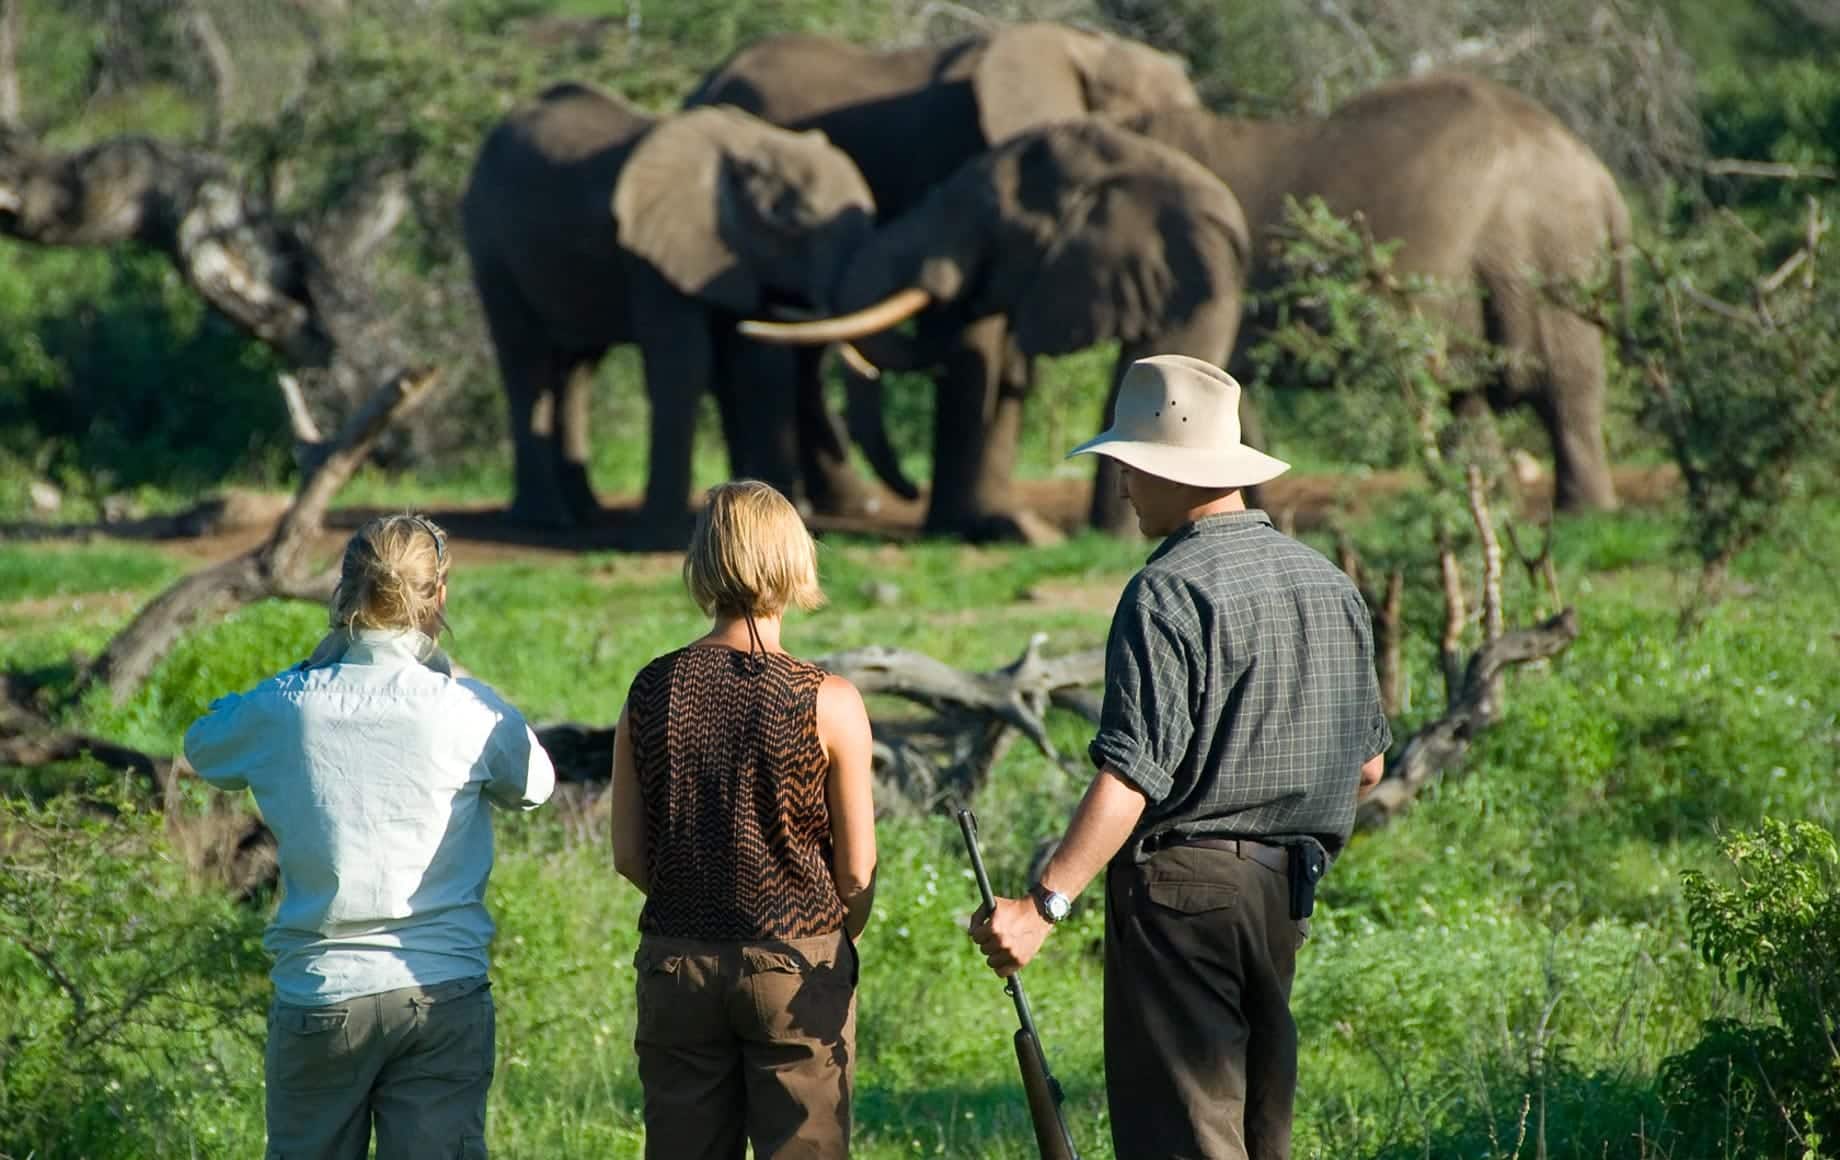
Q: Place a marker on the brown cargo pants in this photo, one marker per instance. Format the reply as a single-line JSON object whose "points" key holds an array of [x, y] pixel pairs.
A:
{"points": [[742, 1042], [1200, 1047], [417, 1062]]}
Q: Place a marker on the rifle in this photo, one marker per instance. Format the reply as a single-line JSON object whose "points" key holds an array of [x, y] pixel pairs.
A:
{"points": [[1038, 1083]]}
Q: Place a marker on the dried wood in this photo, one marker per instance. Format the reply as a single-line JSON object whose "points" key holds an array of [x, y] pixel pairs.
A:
{"points": [[1491, 552], [1442, 745], [1778, 170], [276, 567]]}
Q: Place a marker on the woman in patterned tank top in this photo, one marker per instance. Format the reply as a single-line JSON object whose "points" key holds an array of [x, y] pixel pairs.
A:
{"points": [[742, 811]]}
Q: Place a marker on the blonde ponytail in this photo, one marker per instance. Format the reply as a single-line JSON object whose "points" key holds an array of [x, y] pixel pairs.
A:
{"points": [[391, 575]]}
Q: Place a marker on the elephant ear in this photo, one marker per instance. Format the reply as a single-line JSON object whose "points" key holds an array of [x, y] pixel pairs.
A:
{"points": [[1032, 75], [675, 202], [1136, 256]]}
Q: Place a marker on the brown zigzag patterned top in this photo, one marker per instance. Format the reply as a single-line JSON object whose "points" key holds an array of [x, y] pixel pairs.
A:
{"points": [[732, 774]]}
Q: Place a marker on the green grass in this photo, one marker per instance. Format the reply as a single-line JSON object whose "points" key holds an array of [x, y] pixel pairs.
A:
{"points": [[1545, 877]]}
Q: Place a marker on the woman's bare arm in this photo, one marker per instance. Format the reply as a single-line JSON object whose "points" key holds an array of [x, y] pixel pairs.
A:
{"points": [[843, 727]]}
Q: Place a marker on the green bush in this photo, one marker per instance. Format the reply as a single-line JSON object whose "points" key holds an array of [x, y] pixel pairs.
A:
{"points": [[1770, 1086], [114, 375], [134, 1002]]}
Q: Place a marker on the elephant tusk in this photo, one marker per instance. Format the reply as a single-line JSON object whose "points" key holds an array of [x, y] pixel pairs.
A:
{"points": [[857, 362], [891, 311]]}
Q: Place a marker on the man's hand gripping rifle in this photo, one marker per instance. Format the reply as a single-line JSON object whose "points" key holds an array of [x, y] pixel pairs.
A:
{"points": [[1038, 1083]]}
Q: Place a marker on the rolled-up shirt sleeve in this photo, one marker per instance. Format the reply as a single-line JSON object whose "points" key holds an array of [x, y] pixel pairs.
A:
{"points": [[220, 746], [1146, 721], [1379, 729], [521, 775]]}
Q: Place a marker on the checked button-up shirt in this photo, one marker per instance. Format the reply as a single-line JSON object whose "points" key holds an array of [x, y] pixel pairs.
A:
{"points": [[1240, 694]]}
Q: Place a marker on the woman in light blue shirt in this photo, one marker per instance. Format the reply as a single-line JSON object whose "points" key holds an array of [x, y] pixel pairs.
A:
{"points": [[372, 764]]}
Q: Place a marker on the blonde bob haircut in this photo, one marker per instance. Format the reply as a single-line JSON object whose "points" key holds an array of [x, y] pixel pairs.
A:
{"points": [[750, 554]]}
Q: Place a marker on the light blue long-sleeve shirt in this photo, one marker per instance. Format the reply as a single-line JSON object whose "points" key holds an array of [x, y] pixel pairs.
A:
{"points": [[372, 771]]}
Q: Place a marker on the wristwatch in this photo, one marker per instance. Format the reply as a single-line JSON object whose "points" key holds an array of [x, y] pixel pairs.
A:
{"points": [[1052, 904]]}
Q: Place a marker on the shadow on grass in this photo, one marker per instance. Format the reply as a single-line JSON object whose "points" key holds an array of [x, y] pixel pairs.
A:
{"points": [[1566, 1113], [990, 1120]]}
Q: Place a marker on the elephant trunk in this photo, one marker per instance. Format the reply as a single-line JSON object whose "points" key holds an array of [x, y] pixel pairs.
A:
{"points": [[891, 311], [866, 420]]}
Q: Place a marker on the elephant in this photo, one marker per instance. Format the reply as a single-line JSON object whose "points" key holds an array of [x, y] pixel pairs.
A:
{"points": [[912, 117], [1062, 237], [1487, 192], [590, 224]]}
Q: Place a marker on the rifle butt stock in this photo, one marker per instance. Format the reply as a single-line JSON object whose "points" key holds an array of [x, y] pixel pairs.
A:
{"points": [[1043, 1091]]}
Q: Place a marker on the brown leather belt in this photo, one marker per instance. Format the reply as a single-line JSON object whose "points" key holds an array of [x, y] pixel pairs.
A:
{"points": [[1273, 857]]}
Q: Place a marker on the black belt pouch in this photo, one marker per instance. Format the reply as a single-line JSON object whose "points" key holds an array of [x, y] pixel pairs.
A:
{"points": [[1305, 868]]}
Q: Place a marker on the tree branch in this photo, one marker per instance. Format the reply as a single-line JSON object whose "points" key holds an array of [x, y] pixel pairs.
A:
{"points": [[1739, 167], [12, 18], [1491, 553], [182, 203], [1445, 742], [274, 568]]}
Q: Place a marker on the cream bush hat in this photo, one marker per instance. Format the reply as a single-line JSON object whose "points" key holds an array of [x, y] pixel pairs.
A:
{"points": [[1178, 418]]}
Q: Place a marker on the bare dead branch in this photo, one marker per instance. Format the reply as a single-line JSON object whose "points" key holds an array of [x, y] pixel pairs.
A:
{"points": [[201, 30], [1456, 614], [276, 567], [1442, 745], [79, 1006], [182, 203], [1491, 553], [32, 749], [1539, 566], [1776, 170], [1774, 281], [12, 20], [1389, 644], [1719, 306], [306, 431], [1016, 694]]}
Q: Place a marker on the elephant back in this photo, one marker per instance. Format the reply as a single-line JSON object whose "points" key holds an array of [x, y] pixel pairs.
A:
{"points": [[545, 161]]}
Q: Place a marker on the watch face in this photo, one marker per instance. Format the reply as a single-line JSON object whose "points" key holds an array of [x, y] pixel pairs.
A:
{"points": [[1054, 904]]}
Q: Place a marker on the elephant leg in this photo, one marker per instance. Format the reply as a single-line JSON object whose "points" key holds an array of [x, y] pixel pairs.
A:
{"points": [[757, 395], [532, 371], [1565, 381], [1111, 511], [727, 382], [572, 423], [977, 424], [1576, 388], [1208, 335], [831, 481], [679, 363]]}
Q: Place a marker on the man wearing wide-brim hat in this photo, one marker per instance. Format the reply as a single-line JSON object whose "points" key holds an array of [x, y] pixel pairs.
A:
{"points": [[1241, 721]]}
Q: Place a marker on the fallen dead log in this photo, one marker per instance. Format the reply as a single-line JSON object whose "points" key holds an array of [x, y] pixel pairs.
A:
{"points": [[1444, 743], [278, 567], [920, 762], [235, 510]]}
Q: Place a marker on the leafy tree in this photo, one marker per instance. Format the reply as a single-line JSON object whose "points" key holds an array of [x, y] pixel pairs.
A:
{"points": [[1771, 1087]]}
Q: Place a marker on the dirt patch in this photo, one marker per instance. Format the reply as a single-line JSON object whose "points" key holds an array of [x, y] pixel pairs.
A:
{"points": [[41, 608], [481, 532]]}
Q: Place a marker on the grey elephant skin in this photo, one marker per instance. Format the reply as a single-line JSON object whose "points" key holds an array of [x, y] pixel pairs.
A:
{"points": [[590, 224], [1488, 192], [1064, 237], [911, 118]]}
